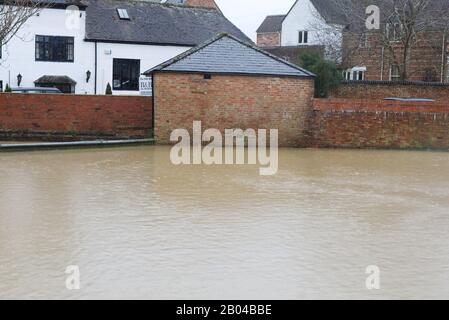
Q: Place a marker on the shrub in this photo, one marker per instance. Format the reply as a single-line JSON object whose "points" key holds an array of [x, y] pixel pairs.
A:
{"points": [[328, 75], [8, 88], [108, 89]]}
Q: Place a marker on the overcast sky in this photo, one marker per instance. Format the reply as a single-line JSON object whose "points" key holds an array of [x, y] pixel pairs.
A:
{"points": [[249, 14]]}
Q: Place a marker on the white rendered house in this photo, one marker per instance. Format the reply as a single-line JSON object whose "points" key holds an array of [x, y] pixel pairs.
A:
{"points": [[81, 46], [308, 23]]}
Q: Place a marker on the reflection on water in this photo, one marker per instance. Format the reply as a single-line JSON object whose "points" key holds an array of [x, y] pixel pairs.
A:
{"points": [[139, 227]]}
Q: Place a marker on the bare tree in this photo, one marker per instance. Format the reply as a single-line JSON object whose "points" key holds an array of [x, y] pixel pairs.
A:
{"points": [[14, 14], [328, 34], [404, 26]]}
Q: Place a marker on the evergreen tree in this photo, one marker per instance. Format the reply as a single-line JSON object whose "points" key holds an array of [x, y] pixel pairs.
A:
{"points": [[108, 89], [328, 75]]}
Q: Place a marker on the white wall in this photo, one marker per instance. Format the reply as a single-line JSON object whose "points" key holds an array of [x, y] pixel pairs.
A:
{"points": [[304, 17], [149, 56], [298, 19], [18, 55]]}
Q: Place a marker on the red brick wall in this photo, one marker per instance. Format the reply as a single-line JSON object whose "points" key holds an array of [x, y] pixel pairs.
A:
{"points": [[76, 114], [202, 3], [363, 90], [346, 123], [272, 39], [229, 102]]}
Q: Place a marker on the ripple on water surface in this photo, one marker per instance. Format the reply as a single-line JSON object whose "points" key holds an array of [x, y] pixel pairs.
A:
{"points": [[139, 227]]}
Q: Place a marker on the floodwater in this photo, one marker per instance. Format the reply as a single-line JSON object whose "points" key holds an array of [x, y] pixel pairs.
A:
{"points": [[139, 227]]}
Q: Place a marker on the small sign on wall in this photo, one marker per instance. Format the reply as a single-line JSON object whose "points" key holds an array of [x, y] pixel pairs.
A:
{"points": [[145, 86]]}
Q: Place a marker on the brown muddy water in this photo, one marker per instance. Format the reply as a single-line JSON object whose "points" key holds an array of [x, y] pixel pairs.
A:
{"points": [[139, 227]]}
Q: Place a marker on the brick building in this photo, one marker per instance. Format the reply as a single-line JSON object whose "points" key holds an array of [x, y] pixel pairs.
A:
{"points": [[372, 61], [228, 84], [379, 54]]}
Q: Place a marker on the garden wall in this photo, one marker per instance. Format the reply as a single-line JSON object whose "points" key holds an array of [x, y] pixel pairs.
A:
{"points": [[57, 116], [384, 89], [352, 123]]}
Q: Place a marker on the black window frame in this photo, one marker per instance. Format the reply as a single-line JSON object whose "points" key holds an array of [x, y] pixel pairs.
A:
{"points": [[54, 48], [303, 37], [123, 69]]}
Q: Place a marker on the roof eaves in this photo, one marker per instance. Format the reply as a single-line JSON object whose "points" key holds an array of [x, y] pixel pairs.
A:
{"points": [[148, 43], [259, 74]]}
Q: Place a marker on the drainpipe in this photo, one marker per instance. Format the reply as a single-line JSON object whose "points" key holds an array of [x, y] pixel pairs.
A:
{"points": [[382, 64], [443, 50], [154, 103], [96, 69]]}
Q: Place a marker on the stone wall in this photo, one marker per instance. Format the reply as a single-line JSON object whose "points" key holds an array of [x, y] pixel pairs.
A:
{"points": [[229, 102], [351, 123], [57, 115]]}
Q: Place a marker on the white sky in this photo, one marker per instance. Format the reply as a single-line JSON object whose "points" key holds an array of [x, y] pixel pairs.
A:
{"points": [[249, 14]]}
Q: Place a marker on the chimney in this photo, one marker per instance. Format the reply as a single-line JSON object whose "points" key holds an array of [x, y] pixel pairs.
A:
{"points": [[202, 3]]}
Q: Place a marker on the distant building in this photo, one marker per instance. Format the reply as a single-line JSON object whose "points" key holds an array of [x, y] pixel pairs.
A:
{"points": [[368, 56], [300, 29]]}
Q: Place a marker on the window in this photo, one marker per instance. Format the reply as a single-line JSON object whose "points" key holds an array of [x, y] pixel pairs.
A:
{"points": [[126, 74], [123, 14], [355, 74], [394, 31], [395, 74], [303, 37], [358, 75], [57, 49]]}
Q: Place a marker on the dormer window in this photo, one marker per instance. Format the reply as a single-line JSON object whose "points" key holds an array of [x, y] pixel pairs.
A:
{"points": [[123, 14]]}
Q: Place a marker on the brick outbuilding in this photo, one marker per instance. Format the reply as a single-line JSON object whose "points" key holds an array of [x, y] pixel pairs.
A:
{"points": [[228, 84]]}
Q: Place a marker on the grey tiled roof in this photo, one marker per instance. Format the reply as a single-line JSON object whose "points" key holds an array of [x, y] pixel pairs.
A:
{"points": [[155, 23], [271, 24], [331, 10], [226, 54]]}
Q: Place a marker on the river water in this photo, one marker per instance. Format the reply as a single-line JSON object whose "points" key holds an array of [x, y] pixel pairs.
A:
{"points": [[139, 227]]}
